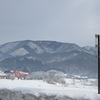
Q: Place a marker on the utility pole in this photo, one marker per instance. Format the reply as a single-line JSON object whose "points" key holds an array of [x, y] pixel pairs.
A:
{"points": [[97, 46]]}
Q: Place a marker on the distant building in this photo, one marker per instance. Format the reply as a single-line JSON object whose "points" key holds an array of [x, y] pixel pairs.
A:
{"points": [[2, 75], [70, 76], [19, 74]]}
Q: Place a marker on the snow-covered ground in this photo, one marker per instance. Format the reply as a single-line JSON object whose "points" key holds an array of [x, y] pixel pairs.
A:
{"points": [[38, 86]]}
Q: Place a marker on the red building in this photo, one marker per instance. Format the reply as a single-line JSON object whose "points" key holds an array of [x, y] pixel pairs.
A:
{"points": [[20, 74]]}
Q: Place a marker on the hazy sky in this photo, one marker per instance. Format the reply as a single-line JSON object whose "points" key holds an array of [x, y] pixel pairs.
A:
{"points": [[74, 21]]}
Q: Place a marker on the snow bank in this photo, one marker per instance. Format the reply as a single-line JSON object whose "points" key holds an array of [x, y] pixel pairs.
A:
{"points": [[35, 89], [6, 94]]}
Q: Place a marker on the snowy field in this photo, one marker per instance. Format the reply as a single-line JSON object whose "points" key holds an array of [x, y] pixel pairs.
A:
{"points": [[37, 87]]}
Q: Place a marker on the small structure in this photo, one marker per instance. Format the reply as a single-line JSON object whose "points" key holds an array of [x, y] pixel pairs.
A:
{"points": [[70, 76], [2, 75], [81, 77], [20, 74]]}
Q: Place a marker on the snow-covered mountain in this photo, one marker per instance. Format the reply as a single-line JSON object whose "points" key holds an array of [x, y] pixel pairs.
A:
{"points": [[89, 49], [46, 55], [40, 47]]}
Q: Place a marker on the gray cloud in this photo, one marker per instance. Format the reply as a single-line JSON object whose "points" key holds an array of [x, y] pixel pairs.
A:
{"points": [[74, 21]]}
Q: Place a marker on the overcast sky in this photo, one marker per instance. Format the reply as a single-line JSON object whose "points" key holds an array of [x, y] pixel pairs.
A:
{"points": [[73, 21]]}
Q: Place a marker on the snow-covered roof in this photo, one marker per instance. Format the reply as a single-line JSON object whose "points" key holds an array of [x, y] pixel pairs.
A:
{"points": [[2, 74], [23, 72], [20, 72]]}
